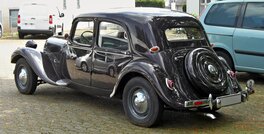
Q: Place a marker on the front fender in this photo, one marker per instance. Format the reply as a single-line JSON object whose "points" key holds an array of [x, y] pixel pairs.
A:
{"points": [[35, 61], [154, 74]]}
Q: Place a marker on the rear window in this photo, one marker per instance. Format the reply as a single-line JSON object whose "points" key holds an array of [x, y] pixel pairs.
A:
{"points": [[223, 14], [183, 33], [185, 37], [34, 10]]}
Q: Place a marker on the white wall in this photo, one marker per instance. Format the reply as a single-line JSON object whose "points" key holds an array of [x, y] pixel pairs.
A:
{"points": [[193, 6], [91, 6]]}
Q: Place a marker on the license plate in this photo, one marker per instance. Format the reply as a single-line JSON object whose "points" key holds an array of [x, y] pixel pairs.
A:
{"points": [[230, 99]]}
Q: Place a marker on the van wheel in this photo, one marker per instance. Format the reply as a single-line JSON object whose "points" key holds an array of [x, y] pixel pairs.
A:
{"points": [[227, 59], [141, 103], [20, 35], [25, 77], [1, 32]]}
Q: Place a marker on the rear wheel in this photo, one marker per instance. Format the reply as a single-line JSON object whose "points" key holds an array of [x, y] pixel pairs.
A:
{"points": [[20, 35], [25, 77], [1, 32], [141, 103], [226, 58], [84, 67]]}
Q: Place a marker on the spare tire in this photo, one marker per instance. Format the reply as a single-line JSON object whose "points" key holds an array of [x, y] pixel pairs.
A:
{"points": [[206, 72]]}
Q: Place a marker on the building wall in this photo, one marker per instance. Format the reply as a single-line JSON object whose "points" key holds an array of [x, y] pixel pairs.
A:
{"points": [[196, 7], [72, 9]]}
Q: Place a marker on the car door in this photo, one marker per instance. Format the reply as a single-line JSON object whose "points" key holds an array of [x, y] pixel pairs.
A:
{"points": [[111, 53], [248, 39], [80, 51]]}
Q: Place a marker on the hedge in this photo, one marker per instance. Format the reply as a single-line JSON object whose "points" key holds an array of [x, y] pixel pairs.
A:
{"points": [[150, 3]]}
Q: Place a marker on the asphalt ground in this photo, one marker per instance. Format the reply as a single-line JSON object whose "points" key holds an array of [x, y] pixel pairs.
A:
{"points": [[62, 110]]}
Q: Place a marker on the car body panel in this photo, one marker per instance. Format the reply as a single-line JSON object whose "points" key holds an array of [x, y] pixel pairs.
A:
{"points": [[244, 45], [35, 60]]}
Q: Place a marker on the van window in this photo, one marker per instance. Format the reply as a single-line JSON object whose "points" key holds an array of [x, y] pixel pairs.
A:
{"points": [[223, 14], [254, 17], [34, 10]]}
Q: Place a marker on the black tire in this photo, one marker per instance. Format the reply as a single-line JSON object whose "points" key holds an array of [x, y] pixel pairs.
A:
{"points": [[139, 89], [227, 59], [1, 32], [30, 77], [20, 35], [84, 67], [206, 72]]}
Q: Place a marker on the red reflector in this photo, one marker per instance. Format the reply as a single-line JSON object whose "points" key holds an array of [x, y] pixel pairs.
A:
{"points": [[154, 49], [169, 84], [18, 19], [50, 19], [197, 103]]}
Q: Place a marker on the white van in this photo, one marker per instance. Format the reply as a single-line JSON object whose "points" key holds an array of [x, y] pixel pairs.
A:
{"points": [[35, 18]]}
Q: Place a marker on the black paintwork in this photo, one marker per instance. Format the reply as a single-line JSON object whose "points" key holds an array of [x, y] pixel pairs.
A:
{"points": [[145, 29]]}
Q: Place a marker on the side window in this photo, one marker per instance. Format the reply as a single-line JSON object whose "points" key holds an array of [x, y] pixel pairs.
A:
{"points": [[112, 36], [254, 17], [223, 14], [84, 33]]}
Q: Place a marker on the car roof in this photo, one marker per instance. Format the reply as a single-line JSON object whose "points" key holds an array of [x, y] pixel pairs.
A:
{"points": [[230, 1], [135, 13]]}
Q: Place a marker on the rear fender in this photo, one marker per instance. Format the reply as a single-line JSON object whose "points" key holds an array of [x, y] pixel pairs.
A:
{"points": [[35, 60], [154, 74]]}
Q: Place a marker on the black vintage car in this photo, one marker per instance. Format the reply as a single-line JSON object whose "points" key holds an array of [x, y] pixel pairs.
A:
{"points": [[150, 58]]}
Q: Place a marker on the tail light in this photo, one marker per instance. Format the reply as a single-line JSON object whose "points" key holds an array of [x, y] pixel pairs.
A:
{"points": [[154, 49], [50, 19], [18, 19], [169, 84]]}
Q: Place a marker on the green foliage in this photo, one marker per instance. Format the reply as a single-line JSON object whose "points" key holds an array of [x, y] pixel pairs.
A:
{"points": [[150, 3], [184, 8]]}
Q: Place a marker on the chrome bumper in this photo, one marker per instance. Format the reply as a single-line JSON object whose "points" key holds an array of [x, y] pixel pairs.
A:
{"points": [[221, 101]]}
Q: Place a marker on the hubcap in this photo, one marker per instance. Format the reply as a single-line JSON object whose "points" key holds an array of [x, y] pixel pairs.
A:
{"points": [[140, 101], [111, 72], [212, 69], [84, 67], [22, 76]]}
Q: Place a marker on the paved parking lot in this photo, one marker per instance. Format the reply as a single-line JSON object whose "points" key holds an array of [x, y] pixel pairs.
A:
{"points": [[62, 110]]}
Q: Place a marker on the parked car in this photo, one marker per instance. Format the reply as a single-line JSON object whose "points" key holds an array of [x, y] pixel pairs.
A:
{"points": [[236, 29], [164, 61], [36, 18], [1, 30]]}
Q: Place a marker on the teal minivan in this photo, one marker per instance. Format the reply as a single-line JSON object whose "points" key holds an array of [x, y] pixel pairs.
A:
{"points": [[235, 28]]}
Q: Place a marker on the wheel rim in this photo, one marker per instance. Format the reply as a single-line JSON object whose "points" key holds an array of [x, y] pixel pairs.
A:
{"points": [[22, 77], [111, 72], [139, 102], [84, 67]]}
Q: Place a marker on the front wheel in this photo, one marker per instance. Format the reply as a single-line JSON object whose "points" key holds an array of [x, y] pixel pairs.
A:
{"points": [[141, 103], [25, 77], [20, 35]]}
